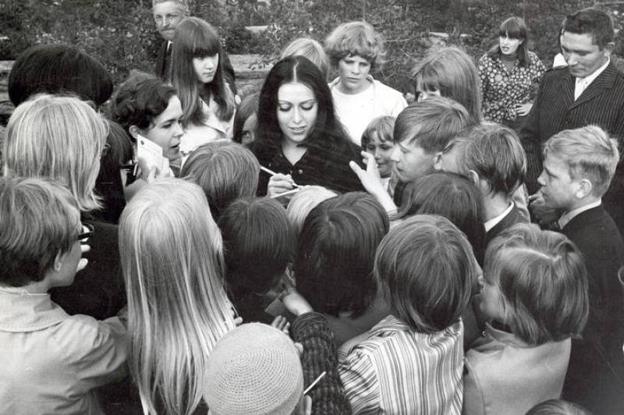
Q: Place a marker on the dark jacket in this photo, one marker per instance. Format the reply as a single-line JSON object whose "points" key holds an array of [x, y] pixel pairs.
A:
{"points": [[512, 218], [98, 290], [595, 377], [555, 109], [324, 165]]}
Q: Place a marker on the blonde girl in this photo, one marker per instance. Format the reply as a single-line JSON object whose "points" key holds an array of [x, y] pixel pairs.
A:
{"points": [[172, 262]]}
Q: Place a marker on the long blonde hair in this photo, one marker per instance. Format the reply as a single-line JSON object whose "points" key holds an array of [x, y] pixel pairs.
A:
{"points": [[59, 138], [172, 262]]}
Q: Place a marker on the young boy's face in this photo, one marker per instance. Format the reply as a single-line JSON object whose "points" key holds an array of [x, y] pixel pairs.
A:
{"points": [[382, 150], [557, 187], [411, 161]]}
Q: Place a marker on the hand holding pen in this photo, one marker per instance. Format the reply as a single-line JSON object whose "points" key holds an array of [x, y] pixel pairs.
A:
{"points": [[280, 184]]}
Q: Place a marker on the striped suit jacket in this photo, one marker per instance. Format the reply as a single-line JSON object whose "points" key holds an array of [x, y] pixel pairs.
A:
{"points": [[555, 109]]}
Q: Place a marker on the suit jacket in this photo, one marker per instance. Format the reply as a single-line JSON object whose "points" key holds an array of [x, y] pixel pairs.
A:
{"points": [[555, 109], [163, 62], [513, 217], [595, 376], [163, 65]]}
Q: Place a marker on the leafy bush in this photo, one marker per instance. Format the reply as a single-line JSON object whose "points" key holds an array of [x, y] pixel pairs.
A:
{"points": [[121, 33]]}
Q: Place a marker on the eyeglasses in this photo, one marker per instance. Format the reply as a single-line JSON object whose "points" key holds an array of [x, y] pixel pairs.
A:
{"points": [[87, 232]]}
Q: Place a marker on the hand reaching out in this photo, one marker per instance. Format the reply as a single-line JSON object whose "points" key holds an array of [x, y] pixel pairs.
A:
{"points": [[371, 180]]}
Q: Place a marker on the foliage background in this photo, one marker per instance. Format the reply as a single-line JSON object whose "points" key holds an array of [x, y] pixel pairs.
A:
{"points": [[121, 33]]}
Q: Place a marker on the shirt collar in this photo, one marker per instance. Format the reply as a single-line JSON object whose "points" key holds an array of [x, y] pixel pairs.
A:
{"points": [[489, 224], [590, 78], [503, 336], [568, 216], [22, 311]]}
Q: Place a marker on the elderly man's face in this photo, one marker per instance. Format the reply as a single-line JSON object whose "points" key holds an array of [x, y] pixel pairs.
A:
{"points": [[167, 16]]}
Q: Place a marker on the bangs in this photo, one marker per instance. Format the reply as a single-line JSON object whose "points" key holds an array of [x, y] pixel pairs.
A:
{"points": [[205, 47], [428, 80], [513, 28]]}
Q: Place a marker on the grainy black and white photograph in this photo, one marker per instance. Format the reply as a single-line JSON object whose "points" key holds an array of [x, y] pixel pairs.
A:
{"points": [[311, 207]]}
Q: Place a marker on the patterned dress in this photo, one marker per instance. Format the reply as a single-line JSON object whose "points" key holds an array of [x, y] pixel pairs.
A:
{"points": [[504, 88]]}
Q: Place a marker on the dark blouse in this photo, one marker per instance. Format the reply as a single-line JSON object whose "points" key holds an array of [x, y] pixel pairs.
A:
{"points": [[323, 166]]}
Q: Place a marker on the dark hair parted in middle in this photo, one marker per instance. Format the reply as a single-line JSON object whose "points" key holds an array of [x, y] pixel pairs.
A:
{"points": [[326, 129], [452, 196], [336, 250]]}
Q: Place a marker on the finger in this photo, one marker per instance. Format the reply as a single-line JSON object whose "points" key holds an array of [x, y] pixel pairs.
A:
{"points": [[84, 248], [299, 348], [356, 169], [82, 264], [367, 157], [238, 321]]}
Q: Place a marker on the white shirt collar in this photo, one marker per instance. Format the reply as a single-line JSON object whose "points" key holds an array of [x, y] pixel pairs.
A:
{"points": [[568, 216], [581, 84], [489, 224]]}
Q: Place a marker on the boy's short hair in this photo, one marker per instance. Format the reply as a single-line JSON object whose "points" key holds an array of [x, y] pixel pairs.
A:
{"points": [[226, 171], [589, 153], [39, 220], [431, 123], [302, 203], [451, 196], [355, 39], [311, 49], [495, 153], [543, 279], [258, 244], [335, 252], [254, 369], [426, 269], [382, 126]]}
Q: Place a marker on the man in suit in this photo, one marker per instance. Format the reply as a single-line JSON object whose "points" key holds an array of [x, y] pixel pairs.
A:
{"points": [[590, 90], [492, 157], [167, 15], [578, 167]]}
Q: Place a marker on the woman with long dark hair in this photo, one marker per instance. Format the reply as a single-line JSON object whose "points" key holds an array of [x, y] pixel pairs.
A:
{"points": [[299, 136], [509, 73], [208, 101]]}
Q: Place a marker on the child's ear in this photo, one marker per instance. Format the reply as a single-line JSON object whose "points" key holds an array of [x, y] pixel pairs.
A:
{"points": [[585, 188], [58, 261], [437, 161], [473, 177]]}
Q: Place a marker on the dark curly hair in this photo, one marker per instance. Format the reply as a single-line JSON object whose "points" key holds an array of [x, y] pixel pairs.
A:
{"points": [[140, 99]]}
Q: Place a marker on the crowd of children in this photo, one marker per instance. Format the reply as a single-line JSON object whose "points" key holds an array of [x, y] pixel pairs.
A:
{"points": [[321, 248]]}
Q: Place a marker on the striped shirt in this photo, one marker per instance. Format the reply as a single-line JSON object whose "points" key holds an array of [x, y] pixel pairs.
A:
{"points": [[395, 370]]}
